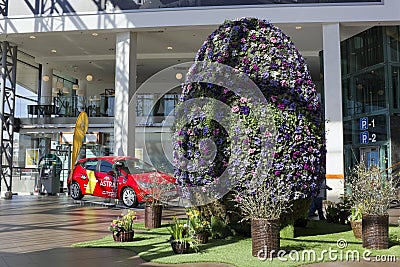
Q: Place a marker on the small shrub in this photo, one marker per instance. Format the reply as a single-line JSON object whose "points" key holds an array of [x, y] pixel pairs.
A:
{"points": [[219, 229]]}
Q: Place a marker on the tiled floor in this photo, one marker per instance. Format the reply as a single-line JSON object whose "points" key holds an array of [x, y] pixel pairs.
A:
{"points": [[39, 231]]}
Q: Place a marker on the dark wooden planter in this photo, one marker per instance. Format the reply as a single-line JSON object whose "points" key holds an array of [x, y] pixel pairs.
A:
{"points": [[152, 216], [357, 228], [265, 237], [180, 247], [124, 236], [375, 231], [202, 238]]}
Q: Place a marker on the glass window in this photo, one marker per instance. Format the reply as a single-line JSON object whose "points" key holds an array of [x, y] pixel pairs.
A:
{"points": [[138, 166], [395, 87], [348, 98], [362, 51], [106, 166], [90, 165], [369, 91], [393, 34], [347, 131]]}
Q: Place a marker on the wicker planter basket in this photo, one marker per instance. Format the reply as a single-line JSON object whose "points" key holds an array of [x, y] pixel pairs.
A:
{"points": [[202, 238], [180, 247], [357, 228], [265, 237], [152, 216], [124, 236], [375, 231]]}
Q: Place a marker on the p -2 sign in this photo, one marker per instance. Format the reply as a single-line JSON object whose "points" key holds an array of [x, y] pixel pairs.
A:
{"points": [[364, 138]]}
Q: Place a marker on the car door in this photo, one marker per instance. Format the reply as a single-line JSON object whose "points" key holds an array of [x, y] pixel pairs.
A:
{"points": [[106, 181], [90, 167]]}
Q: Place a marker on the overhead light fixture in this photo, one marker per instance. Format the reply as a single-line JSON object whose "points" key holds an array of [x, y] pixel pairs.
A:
{"points": [[178, 75], [89, 77], [46, 78], [32, 37], [298, 28], [95, 34], [170, 47], [53, 51], [75, 87]]}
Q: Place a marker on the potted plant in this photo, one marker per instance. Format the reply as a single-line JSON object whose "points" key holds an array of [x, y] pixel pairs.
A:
{"points": [[122, 228], [263, 201], [181, 238], [157, 189], [374, 190], [355, 219], [199, 225]]}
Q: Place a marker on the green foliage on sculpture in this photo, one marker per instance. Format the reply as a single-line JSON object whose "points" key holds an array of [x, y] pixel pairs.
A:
{"points": [[266, 55]]}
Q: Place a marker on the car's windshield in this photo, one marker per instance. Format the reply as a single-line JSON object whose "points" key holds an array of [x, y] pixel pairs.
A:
{"points": [[136, 166]]}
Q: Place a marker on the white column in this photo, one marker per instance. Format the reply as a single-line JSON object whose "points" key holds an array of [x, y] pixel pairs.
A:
{"points": [[333, 110], [46, 93], [125, 87]]}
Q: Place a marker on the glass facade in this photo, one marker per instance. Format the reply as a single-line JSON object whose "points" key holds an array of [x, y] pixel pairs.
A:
{"points": [[370, 89]]}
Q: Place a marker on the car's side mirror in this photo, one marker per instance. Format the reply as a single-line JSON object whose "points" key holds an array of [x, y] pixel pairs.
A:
{"points": [[111, 173]]}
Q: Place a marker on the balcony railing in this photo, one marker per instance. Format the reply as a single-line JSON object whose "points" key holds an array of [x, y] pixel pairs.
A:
{"points": [[151, 108], [71, 106]]}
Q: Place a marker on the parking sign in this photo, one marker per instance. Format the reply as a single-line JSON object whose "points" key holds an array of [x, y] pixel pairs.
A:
{"points": [[364, 123], [364, 137]]}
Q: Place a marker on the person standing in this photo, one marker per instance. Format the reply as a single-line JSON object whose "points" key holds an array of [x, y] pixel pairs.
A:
{"points": [[316, 204]]}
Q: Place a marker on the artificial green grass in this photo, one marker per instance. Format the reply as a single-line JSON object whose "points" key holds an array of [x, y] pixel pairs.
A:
{"points": [[152, 245]]}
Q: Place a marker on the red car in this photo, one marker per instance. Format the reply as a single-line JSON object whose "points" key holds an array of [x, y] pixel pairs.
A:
{"points": [[129, 179]]}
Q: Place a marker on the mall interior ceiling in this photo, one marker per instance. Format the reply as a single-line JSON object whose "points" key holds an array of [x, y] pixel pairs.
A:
{"points": [[75, 54]]}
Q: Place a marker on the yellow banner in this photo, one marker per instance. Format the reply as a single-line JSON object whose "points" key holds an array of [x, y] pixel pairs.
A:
{"points": [[81, 127]]}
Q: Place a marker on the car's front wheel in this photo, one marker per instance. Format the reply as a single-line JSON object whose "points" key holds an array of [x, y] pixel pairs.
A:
{"points": [[75, 191], [128, 197]]}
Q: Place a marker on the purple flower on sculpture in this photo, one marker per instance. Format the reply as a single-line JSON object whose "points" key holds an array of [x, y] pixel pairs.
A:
{"points": [[244, 110]]}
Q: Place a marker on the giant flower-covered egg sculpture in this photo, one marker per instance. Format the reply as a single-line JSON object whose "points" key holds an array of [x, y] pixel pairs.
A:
{"points": [[266, 55]]}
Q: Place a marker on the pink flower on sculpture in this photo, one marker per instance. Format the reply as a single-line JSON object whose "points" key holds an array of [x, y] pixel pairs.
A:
{"points": [[243, 99], [215, 132], [235, 109]]}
